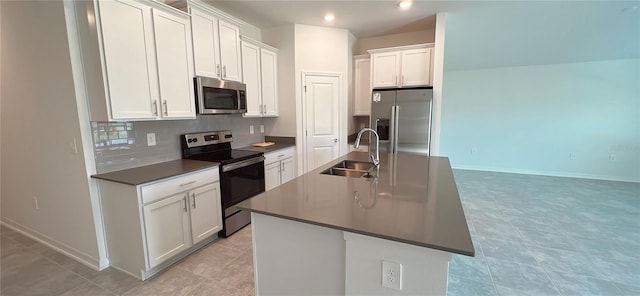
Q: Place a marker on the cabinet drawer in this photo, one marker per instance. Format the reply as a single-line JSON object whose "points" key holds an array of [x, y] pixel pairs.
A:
{"points": [[177, 184], [278, 155]]}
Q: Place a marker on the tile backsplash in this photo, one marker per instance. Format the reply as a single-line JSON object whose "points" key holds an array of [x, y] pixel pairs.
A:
{"points": [[123, 145]]}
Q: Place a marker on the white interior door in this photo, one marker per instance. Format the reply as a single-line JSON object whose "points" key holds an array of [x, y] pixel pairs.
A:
{"points": [[322, 99]]}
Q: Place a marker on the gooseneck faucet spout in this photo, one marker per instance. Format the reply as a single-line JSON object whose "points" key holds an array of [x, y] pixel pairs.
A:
{"points": [[376, 158]]}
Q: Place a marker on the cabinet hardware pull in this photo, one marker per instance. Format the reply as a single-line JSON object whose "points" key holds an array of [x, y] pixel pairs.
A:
{"points": [[402, 80], [166, 109], [154, 108], [218, 70], [281, 155], [224, 71], [193, 196], [281, 167], [184, 199], [188, 183], [395, 79]]}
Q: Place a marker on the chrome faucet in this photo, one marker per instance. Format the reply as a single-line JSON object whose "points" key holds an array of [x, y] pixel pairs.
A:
{"points": [[376, 159]]}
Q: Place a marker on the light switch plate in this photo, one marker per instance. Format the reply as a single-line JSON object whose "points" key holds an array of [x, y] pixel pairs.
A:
{"points": [[151, 139]]}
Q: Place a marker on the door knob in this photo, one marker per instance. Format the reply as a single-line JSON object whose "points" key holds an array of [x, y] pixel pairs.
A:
{"points": [[335, 140]]}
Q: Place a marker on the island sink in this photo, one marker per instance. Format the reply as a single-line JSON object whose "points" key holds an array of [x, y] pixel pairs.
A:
{"points": [[350, 168]]}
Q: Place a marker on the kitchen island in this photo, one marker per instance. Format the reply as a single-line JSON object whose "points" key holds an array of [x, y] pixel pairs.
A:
{"points": [[331, 235]]}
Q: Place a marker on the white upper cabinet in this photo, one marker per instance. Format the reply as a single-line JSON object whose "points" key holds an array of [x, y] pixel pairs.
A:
{"points": [[416, 65], [129, 60], [216, 45], [175, 71], [205, 43], [230, 51], [362, 86], [401, 66], [137, 60], [269, 75], [386, 68], [259, 70]]}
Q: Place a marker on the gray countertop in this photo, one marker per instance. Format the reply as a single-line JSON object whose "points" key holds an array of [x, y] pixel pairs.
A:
{"points": [[154, 172], [413, 201], [274, 147]]}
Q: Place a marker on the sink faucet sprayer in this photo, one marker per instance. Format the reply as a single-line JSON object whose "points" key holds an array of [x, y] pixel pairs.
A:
{"points": [[376, 159]]}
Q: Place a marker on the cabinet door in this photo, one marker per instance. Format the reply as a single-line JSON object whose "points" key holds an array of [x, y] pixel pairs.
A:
{"points": [[271, 175], [415, 67], [206, 212], [362, 100], [206, 50], [230, 51], [269, 74], [288, 170], [167, 228], [251, 77], [386, 68], [129, 59], [175, 65]]}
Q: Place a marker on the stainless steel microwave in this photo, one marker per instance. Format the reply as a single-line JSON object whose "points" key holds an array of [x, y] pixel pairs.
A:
{"points": [[216, 96]]}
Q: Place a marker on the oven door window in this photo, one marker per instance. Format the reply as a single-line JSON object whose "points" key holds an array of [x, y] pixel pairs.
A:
{"points": [[242, 183], [222, 99]]}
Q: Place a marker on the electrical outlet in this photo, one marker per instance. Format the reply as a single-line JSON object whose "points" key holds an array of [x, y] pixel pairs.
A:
{"points": [[572, 156], [392, 275], [474, 151], [251, 130], [151, 139], [612, 158], [262, 128], [35, 202]]}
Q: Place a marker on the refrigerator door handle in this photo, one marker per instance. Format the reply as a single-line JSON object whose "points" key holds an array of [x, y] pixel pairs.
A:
{"points": [[396, 131], [392, 130]]}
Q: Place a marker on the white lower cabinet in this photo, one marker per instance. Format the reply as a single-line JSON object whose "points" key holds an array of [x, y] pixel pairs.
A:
{"points": [[279, 167], [152, 225]]}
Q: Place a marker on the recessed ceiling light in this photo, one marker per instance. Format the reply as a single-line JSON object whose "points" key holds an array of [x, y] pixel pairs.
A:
{"points": [[405, 4], [329, 17]]}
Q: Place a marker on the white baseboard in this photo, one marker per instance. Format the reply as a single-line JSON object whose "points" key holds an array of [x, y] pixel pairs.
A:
{"points": [[86, 259], [544, 173]]}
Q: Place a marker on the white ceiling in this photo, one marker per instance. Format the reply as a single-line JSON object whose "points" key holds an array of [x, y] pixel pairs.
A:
{"points": [[479, 33]]}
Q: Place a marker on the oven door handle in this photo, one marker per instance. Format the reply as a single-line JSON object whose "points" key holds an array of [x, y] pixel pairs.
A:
{"points": [[241, 164]]}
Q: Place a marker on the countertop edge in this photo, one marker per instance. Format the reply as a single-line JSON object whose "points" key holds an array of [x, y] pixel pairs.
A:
{"points": [[377, 235], [120, 175]]}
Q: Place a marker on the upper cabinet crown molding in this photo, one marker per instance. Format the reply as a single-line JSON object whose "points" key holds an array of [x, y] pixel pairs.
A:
{"points": [[184, 5], [401, 48]]}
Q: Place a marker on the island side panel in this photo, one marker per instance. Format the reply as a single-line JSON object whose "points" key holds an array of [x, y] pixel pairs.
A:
{"points": [[424, 270], [293, 258]]}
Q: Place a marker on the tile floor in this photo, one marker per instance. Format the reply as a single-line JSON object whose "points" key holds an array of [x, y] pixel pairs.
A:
{"points": [[534, 235], [224, 267], [538, 235]]}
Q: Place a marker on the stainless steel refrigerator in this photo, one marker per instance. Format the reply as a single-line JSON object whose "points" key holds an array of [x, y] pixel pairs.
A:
{"points": [[402, 118]]}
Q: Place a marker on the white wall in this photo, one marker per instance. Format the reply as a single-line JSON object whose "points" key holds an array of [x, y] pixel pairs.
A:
{"points": [[409, 38], [39, 122], [321, 49], [351, 128], [575, 119]]}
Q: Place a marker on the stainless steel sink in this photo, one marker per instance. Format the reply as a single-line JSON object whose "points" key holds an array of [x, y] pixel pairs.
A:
{"points": [[354, 165], [350, 168]]}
